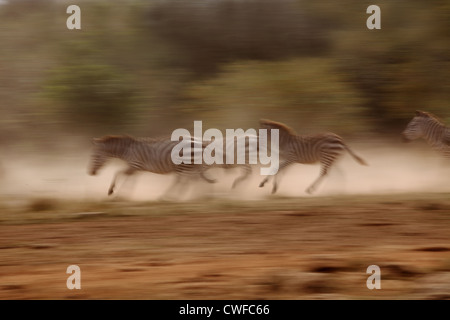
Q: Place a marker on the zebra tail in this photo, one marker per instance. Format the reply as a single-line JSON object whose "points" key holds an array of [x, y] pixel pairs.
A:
{"points": [[356, 157]]}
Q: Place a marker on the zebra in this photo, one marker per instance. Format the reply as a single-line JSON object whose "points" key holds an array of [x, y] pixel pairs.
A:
{"points": [[250, 143], [426, 125], [143, 154], [324, 148]]}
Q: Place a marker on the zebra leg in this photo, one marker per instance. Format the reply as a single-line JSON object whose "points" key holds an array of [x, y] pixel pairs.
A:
{"points": [[113, 183], [283, 165], [275, 185], [312, 188], [247, 172], [264, 181], [326, 164], [127, 172]]}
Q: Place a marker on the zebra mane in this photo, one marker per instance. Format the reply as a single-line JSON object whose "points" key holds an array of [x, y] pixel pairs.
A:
{"points": [[277, 125], [151, 140], [424, 114], [111, 138], [128, 139]]}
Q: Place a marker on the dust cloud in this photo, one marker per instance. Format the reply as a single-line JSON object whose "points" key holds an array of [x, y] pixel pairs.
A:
{"points": [[401, 168]]}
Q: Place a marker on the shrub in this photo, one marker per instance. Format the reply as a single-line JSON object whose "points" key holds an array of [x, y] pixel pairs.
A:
{"points": [[91, 95]]}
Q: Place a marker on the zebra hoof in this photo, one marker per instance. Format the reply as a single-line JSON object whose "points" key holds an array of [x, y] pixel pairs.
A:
{"points": [[310, 191], [110, 192], [261, 184]]}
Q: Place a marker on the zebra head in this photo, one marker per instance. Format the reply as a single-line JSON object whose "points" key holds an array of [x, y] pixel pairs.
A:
{"points": [[98, 157], [105, 148], [109, 147], [415, 128]]}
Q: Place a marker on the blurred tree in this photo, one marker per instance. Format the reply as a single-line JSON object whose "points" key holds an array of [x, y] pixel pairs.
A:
{"points": [[402, 67], [92, 96], [213, 32], [308, 94], [146, 68]]}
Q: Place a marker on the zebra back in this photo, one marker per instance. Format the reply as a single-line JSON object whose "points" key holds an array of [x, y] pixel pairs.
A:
{"points": [[310, 148], [148, 154]]}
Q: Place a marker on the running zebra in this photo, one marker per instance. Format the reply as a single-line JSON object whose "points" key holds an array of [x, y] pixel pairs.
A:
{"points": [[427, 126], [324, 148], [144, 154], [232, 147]]}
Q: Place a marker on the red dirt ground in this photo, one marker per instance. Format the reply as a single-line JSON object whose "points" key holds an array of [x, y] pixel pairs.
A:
{"points": [[273, 249]]}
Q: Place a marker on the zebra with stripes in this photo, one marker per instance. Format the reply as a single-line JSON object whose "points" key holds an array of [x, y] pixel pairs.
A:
{"points": [[324, 148], [145, 154], [427, 126], [247, 144]]}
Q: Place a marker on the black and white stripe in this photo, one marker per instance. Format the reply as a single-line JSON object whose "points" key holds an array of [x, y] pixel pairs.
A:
{"points": [[427, 126], [145, 154], [231, 147], [324, 148]]}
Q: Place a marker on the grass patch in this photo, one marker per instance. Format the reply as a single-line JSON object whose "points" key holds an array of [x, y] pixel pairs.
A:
{"points": [[46, 209]]}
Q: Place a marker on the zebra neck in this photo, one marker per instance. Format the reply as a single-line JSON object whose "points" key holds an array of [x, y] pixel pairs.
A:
{"points": [[286, 138], [119, 150]]}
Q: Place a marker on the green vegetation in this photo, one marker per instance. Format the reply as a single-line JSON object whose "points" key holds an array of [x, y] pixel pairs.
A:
{"points": [[92, 94], [252, 90], [146, 68]]}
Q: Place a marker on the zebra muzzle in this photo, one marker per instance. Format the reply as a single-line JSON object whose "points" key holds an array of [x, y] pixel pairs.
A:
{"points": [[405, 139]]}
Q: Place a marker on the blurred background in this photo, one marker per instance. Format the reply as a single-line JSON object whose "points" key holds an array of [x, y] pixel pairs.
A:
{"points": [[148, 67]]}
